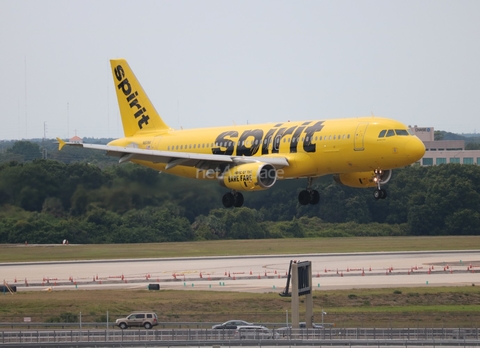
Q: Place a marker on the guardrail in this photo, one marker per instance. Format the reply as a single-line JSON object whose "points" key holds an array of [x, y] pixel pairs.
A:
{"points": [[185, 337], [111, 325]]}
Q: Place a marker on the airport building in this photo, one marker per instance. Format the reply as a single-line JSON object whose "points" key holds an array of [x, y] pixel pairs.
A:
{"points": [[444, 151]]}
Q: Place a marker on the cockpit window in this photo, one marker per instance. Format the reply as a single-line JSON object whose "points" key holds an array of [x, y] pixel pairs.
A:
{"points": [[390, 133], [410, 132], [401, 132], [382, 133]]}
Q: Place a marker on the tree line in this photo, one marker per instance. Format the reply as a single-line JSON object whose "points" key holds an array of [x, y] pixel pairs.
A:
{"points": [[95, 200]]}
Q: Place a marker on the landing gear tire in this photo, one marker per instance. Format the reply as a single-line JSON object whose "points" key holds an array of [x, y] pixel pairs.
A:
{"points": [[308, 197], [237, 199], [379, 194], [304, 197], [232, 199], [228, 200], [314, 197]]}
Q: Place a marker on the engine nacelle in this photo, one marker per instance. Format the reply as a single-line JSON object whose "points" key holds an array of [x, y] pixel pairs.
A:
{"points": [[362, 179], [249, 177]]}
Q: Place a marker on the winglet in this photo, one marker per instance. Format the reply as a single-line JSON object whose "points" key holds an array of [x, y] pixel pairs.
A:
{"points": [[61, 144]]}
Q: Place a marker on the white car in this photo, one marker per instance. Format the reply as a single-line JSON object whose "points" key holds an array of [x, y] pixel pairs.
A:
{"points": [[287, 330], [255, 332], [232, 324]]}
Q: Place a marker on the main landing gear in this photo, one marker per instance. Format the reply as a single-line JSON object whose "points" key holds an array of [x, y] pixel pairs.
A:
{"points": [[309, 196], [379, 193], [232, 199]]}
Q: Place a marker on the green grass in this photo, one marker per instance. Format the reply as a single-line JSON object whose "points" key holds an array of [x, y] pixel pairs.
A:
{"points": [[22, 253], [432, 307]]}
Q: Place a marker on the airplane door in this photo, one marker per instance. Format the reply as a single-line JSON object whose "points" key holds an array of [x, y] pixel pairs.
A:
{"points": [[359, 136]]}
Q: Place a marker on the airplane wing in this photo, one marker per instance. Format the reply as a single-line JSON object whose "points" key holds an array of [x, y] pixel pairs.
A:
{"points": [[172, 158]]}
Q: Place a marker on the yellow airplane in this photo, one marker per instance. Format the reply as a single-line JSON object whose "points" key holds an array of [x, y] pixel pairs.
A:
{"points": [[359, 152]]}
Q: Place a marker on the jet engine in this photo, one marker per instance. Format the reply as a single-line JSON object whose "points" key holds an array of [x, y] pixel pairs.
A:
{"points": [[249, 177], [362, 179]]}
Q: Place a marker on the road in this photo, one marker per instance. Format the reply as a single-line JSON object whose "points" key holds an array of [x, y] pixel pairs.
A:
{"points": [[252, 273]]}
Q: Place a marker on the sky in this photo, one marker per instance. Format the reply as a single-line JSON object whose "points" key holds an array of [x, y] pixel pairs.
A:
{"points": [[216, 63]]}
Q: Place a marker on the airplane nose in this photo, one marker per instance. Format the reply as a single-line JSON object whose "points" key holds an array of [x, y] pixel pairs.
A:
{"points": [[414, 149]]}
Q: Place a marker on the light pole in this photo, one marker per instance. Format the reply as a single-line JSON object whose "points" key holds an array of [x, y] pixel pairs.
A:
{"points": [[323, 313]]}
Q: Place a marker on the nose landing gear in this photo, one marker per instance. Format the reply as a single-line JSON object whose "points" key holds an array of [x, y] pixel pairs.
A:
{"points": [[379, 193]]}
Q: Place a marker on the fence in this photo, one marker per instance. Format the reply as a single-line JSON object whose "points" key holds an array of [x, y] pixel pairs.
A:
{"points": [[278, 337]]}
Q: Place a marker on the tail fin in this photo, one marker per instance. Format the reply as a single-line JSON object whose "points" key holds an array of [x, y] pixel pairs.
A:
{"points": [[137, 111]]}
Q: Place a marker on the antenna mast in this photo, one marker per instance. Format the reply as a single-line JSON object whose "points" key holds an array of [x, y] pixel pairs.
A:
{"points": [[44, 150]]}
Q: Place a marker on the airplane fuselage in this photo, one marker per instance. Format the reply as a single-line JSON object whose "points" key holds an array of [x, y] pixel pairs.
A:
{"points": [[313, 148]]}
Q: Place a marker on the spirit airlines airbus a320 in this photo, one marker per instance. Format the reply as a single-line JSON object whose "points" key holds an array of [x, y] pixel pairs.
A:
{"points": [[359, 152]]}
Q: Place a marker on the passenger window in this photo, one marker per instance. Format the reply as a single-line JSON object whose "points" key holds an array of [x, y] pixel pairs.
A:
{"points": [[401, 132], [390, 133], [334, 137], [382, 133], [181, 147]]}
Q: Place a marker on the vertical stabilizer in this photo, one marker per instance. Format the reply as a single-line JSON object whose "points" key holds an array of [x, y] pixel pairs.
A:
{"points": [[137, 112]]}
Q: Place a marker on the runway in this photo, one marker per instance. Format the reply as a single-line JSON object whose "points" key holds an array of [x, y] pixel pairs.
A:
{"points": [[251, 273]]}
